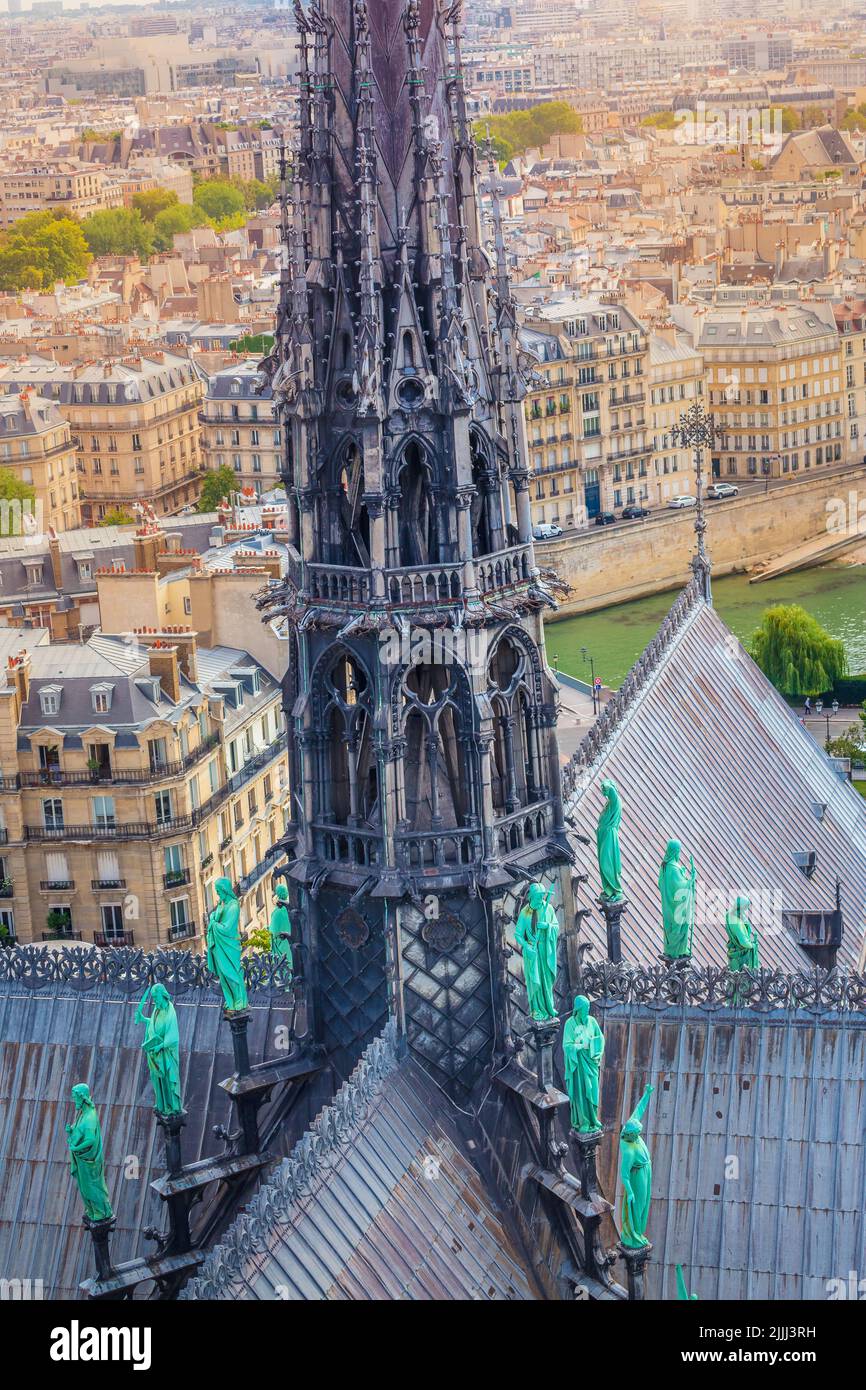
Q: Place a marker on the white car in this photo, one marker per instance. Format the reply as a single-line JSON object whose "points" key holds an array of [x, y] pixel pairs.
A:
{"points": [[686, 500], [546, 530]]}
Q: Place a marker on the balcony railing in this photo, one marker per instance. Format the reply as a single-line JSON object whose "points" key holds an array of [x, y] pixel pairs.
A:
{"points": [[55, 777], [267, 861], [57, 885], [99, 885], [439, 849], [524, 826], [120, 938], [181, 931], [176, 879], [6, 888], [338, 583], [344, 844], [503, 570], [419, 584], [61, 936]]}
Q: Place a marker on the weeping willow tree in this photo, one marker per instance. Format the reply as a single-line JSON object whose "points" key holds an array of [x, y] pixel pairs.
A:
{"points": [[796, 653]]}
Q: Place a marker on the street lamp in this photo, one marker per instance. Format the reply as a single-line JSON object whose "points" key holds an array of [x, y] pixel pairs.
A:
{"points": [[834, 709], [587, 657]]}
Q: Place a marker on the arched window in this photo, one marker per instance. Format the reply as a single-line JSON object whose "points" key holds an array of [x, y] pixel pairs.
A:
{"points": [[418, 519], [438, 786], [516, 751], [348, 521], [486, 513], [347, 780]]}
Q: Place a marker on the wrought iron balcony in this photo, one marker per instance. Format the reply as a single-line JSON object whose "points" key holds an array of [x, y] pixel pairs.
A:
{"points": [[182, 931], [61, 936], [57, 885], [157, 772], [107, 939], [263, 867], [176, 879], [101, 884]]}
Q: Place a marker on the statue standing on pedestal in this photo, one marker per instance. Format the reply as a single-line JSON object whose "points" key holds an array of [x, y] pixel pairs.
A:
{"points": [[678, 902], [742, 938], [224, 947], [607, 844], [87, 1164], [161, 1048], [582, 1049], [537, 933], [636, 1171], [280, 926]]}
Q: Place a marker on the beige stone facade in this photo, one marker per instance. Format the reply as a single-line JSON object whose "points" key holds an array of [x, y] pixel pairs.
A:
{"points": [[71, 188], [36, 447]]}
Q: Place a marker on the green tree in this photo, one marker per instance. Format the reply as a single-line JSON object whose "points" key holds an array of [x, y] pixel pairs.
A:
{"points": [[117, 516], [153, 200], [215, 486], [663, 120], [517, 131], [218, 199], [796, 653], [118, 232], [12, 489], [181, 217], [790, 118], [39, 249]]}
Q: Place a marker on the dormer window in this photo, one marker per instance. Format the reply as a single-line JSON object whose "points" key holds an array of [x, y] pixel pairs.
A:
{"points": [[100, 698], [34, 571], [49, 699]]}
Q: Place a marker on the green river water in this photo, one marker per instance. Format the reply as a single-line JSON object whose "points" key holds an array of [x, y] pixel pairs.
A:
{"points": [[834, 594]]}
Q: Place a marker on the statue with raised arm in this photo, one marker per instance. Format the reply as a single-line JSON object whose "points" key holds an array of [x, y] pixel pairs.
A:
{"points": [[742, 938], [636, 1172], [161, 1048], [280, 926], [683, 1294], [678, 903], [607, 844], [537, 933], [224, 947], [87, 1163], [582, 1050]]}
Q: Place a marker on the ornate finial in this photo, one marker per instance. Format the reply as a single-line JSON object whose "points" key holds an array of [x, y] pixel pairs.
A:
{"points": [[697, 431]]}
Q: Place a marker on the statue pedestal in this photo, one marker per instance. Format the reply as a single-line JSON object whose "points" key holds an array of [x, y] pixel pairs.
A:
{"points": [[171, 1126], [544, 1034], [100, 1232], [613, 923], [636, 1259], [238, 1021], [585, 1148]]}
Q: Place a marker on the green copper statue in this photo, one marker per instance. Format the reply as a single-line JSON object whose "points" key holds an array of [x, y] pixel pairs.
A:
{"points": [[87, 1165], [536, 933], [161, 1048], [280, 926], [636, 1171], [678, 902], [683, 1294], [607, 845], [224, 947], [742, 938], [582, 1049]]}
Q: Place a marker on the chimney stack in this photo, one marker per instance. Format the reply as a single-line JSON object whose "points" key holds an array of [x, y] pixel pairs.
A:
{"points": [[165, 666]]}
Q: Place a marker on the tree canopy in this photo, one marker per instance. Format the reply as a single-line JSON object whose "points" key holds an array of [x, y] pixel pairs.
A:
{"points": [[151, 201], [796, 652], [517, 131], [218, 199], [215, 486], [39, 249], [117, 516], [180, 217], [12, 489], [118, 232]]}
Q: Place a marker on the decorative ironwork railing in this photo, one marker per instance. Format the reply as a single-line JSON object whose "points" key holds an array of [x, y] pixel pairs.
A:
{"points": [[279, 1197], [713, 987], [130, 970]]}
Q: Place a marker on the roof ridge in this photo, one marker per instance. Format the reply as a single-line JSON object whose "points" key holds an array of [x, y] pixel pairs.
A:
{"points": [[595, 742], [272, 1205]]}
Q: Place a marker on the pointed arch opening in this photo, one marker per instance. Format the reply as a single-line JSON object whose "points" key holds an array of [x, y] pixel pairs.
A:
{"points": [[419, 541], [349, 521], [486, 512]]}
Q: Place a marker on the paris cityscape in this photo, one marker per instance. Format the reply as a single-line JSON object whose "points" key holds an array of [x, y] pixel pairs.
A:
{"points": [[432, 587]]}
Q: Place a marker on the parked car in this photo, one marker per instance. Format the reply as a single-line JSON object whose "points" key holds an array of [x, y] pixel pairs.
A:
{"points": [[722, 490], [605, 519], [546, 530], [686, 500], [634, 512]]}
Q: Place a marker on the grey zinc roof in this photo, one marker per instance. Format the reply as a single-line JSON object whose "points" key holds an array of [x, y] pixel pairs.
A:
{"points": [[382, 1199], [59, 1033], [709, 753]]}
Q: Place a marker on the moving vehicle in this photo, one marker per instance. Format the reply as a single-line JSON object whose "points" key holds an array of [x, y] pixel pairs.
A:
{"points": [[722, 490], [605, 519], [634, 512], [546, 530], [686, 500]]}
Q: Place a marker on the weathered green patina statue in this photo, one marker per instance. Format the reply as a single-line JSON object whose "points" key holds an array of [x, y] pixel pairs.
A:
{"points": [[161, 1048], [280, 926], [607, 845], [678, 902], [636, 1171], [536, 933], [742, 938], [87, 1165], [224, 947], [582, 1049], [683, 1294]]}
